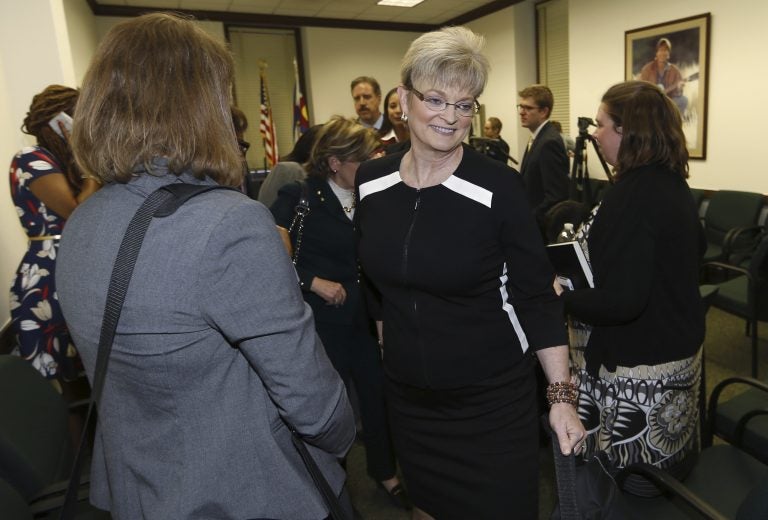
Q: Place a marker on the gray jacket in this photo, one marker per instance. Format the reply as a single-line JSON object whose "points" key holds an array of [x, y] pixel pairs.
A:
{"points": [[215, 351]]}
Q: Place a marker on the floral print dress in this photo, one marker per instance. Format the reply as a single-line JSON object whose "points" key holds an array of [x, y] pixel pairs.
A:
{"points": [[36, 317]]}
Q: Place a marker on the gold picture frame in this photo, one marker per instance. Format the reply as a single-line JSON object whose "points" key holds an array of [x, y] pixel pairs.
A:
{"points": [[684, 75]]}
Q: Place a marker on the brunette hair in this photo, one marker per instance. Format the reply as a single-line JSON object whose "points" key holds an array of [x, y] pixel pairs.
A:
{"points": [[495, 123], [651, 127], [541, 95], [158, 87], [366, 79], [343, 138], [45, 106], [386, 124]]}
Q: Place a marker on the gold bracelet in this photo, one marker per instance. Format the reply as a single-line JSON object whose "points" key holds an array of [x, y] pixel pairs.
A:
{"points": [[562, 392]]}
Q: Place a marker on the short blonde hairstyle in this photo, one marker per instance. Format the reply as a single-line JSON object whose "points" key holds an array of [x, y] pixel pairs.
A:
{"points": [[343, 138], [450, 57], [158, 87]]}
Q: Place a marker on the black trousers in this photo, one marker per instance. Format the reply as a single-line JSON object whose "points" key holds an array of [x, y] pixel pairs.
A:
{"points": [[354, 352]]}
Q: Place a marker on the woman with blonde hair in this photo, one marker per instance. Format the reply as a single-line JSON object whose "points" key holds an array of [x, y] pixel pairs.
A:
{"points": [[327, 265], [215, 358], [448, 239]]}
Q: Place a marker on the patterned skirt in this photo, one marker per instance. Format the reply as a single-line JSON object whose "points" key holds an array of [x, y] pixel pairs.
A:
{"points": [[646, 413]]}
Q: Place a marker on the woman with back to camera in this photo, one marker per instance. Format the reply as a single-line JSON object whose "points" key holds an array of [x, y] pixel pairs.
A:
{"points": [[46, 186], [328, 272], [639, 373], [212, 357], [448, 239]]}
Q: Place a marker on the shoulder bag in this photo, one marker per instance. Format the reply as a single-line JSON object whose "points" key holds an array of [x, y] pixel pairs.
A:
{"points": [[161, 203]]}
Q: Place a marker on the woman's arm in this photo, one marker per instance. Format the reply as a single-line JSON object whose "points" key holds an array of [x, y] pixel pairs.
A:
{"points": [[562, 416], [54, 191]]}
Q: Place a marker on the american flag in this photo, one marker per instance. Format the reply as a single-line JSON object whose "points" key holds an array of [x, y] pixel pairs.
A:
{"points": [[267, 125], [300, 114]]}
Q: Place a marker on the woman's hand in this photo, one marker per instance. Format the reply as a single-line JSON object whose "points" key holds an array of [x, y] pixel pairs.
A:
{"points": [[332, 292], [566, 424]]}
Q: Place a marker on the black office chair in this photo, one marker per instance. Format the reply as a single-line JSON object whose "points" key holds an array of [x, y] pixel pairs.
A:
{"points": [[746, 294], [725, 483], [730, 223], [36, 449], [741, 420]]}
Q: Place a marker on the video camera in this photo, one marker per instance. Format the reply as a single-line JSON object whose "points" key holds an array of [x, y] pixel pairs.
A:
{"points": [[584, 123]]}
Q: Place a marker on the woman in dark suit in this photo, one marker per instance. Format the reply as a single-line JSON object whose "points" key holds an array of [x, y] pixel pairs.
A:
{"points": [[327, 266]]}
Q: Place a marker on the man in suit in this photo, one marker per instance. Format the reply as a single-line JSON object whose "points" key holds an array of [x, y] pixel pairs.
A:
{"points": [[545, 162], [366, 93], [497, 149]]}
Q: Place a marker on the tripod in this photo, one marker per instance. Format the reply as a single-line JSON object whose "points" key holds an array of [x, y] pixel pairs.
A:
{"points": [[580, 188]]}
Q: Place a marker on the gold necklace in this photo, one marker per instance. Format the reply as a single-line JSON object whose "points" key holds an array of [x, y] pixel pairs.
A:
{"points": [[350, 208]]}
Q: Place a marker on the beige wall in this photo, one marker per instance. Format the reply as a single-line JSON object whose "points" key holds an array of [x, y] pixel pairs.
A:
{"points": [[334, 57], [737, 108], [66, 34]]}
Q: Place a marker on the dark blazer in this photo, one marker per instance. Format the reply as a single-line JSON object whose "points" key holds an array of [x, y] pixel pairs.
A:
{"points": [[545, 172], [328, 248], [645, 245]]}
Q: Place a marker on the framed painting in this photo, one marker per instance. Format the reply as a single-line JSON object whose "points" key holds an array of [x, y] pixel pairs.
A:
{"points": [[675, 56]]}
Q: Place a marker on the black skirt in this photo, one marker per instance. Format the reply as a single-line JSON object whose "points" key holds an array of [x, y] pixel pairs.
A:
{"points": [[469, 452]]}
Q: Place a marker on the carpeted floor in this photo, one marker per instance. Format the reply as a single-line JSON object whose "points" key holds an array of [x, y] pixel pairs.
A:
{"points": [[727, 353]]}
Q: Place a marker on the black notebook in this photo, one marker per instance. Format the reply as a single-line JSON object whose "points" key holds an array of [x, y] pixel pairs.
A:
{"points": [[570, 265]]}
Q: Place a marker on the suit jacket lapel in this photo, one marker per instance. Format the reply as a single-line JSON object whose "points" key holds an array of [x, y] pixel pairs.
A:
{"points": [[326, 199]]}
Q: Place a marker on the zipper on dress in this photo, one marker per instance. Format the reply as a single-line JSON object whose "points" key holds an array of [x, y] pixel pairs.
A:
{"points": [[407, 241]]}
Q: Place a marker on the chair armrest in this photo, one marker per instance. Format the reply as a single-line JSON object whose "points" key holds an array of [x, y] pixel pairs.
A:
{"points": [[80, 403], [751, 237], [714, 398], [670, 485], [741, 426], [51, 498], [729, 267]]}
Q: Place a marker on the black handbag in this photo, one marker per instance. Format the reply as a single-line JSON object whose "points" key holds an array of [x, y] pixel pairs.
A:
{"points": [[161, 203], [587, 491]]}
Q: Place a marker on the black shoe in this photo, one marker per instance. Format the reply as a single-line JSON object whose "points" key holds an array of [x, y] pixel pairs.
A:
{"points": [[398, 496]]}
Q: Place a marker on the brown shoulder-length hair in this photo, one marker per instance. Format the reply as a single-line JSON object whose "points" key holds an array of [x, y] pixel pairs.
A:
{"points": [[343, 138], [158, 87], [651, 127]]}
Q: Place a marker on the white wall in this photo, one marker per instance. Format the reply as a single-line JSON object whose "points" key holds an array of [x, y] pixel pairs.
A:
{"points": [[82, 36], [334, 57], [510, 40], [737, 109], [34, 53]]}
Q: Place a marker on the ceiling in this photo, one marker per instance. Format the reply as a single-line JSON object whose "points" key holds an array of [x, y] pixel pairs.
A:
{"points": [[349, 13]]}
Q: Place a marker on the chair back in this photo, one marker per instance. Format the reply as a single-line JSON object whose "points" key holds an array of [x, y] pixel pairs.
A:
{"points": [[728, 210], [36, 449], [758, 270]]}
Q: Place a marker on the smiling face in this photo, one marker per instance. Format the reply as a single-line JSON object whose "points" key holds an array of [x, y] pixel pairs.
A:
{"points": [[392, 104], [607, 135], [366, 103], [439, 131]]}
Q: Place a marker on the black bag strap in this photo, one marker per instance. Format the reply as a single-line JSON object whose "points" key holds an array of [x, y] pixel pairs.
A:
{"points": [[565, 476], [160, 203], [300, 211]]}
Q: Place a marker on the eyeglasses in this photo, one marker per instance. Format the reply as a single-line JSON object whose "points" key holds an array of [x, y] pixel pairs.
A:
{"points": [[527, 108], [437, 104]]}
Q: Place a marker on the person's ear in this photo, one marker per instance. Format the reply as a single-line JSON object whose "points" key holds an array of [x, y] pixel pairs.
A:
{"points": [[334, 163], [402, 94]]}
